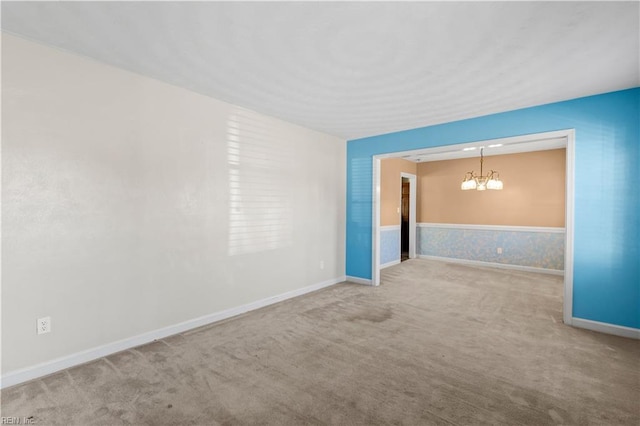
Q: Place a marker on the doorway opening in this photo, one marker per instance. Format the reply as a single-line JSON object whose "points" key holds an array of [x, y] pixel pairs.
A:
{"points": [[404, 220], [525, 143], [408, 201]]}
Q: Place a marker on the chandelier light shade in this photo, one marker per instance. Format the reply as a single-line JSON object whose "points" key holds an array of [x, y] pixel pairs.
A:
{"points": [[481, 182]]}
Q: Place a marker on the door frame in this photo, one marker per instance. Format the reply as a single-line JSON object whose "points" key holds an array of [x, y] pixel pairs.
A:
{"points": [[522, 143], [413, 188]]}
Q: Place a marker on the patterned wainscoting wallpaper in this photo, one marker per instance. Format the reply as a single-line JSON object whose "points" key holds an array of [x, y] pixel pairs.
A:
{"points": [[389, 244], [524, 248]]}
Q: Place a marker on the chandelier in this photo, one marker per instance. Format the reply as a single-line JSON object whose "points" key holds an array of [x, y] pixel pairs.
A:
{"points": [[481, 182]]}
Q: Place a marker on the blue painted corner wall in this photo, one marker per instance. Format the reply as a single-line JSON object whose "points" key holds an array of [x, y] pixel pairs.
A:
{"points": [[606, 276]]}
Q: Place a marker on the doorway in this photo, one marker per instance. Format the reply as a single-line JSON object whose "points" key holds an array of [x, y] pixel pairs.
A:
{"points": [[408, 201], [514, 144], [404, 220]]}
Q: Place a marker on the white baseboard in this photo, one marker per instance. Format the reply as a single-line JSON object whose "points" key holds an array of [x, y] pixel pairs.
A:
{"points": [[603, 327], [359, 280], [393, 262], [493, 264], [19, 376]]}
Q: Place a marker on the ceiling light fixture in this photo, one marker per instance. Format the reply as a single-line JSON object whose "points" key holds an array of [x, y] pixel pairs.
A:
{"points": [[481, 182]]}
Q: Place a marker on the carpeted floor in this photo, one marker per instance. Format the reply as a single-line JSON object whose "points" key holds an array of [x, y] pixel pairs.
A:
{"points": [[436, 343]]}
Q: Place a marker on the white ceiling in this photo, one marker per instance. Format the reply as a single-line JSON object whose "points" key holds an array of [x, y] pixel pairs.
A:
{"points": [[355, 69]]}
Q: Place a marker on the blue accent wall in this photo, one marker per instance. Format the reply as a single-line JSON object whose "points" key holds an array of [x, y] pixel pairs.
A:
{"points": [[606, 276]]}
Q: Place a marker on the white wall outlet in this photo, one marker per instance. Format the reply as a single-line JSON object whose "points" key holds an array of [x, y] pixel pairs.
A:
{"points": [[322, 264], [499, 250], [43, 325]]}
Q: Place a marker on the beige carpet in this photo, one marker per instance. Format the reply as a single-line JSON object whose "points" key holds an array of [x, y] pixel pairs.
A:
{"points": [[436, 343]]}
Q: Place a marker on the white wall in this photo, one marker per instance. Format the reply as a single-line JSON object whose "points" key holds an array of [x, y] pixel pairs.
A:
{"points": [[129, 205]]}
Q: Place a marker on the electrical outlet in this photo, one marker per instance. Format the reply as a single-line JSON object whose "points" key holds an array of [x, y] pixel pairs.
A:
{"points": [[322, 264], [43, 325], [499, 250]]}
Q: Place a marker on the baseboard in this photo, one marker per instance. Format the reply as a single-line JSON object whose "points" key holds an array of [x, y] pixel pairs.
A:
{"points": [[19, 376], [358, 280], [493, 264], [603, 327], [393, 262]]}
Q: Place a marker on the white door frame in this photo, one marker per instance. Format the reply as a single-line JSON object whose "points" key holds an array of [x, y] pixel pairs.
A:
{"points": [[413, 190], [523, 143]]}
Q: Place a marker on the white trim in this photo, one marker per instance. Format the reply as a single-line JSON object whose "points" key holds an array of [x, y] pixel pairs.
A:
{"points": [[550, 230], [393, 262], [19, 376], [358, 280], [603, 327], [390, 228], [510, 145], [493, 264], [567, 300], [375, 255]]}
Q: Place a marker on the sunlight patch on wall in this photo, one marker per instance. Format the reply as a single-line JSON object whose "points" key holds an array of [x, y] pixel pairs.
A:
{"points": [[260, 195]]}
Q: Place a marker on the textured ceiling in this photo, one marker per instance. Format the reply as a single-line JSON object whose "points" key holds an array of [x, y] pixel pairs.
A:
{"points": [[355, 69]]}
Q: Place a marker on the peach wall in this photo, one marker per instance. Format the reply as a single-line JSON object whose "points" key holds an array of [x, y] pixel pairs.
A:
{"points": [[390, 186], [533, 194]]}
